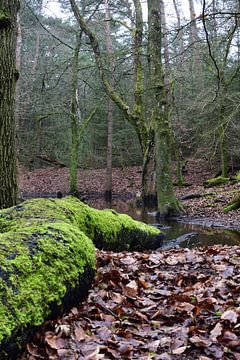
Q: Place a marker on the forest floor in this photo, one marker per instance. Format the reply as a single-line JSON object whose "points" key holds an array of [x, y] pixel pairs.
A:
{"points": [[162, 305], [207, 209]]}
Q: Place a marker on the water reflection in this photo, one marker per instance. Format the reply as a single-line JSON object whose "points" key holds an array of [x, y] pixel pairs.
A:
{"points": [[205, 236]]}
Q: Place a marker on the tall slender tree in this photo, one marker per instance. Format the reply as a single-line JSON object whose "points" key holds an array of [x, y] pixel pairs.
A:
{"points": [[8, 77], [108, 191], [167, 201]]}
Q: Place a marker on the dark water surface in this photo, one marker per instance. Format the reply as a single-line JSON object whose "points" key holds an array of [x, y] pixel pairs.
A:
{"points": [[203, 235]]}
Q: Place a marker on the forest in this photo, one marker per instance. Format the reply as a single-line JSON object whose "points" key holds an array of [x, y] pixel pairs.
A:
{"points": [[119, 179]]}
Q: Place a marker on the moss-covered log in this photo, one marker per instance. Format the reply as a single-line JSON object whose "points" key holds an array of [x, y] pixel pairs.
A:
{"points": [[233, 205], [215, 182], [47, 260]]}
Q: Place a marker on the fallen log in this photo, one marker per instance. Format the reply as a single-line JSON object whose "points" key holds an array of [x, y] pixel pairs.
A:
{"points": [[196, 196], [233, 205], [51, 161], [215, 182], [47, 260]]}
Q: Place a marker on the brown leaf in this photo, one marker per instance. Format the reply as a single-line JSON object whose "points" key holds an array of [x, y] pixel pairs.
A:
{"points": [[216, 331], [129, 260], [125, 348], [200, 341], [55, 342], [171, 260], [117, 298], [79, 333], [104, 333], [164, 356], [64, 354], [34, 351], [142, 282], [131, 289], [230, 315], [179, 350]]}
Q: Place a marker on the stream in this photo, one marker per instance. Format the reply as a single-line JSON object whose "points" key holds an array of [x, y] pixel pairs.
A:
{"points": [[189, 235]]}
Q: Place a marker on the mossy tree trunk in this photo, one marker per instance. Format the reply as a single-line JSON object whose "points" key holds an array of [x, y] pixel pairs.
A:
{"points": [[8, 77], [135, 116], [167, 201], [47, 260]]}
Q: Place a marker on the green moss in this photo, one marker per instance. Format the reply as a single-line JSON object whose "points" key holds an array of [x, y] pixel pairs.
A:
{"points": [[233, 205], [215, 181], [4, 18], [45, 247], [41, 254], [106, 228]]}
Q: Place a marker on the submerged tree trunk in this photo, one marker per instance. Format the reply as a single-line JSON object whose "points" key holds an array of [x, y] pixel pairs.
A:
{"points": [[8, 77], [167, 201]]}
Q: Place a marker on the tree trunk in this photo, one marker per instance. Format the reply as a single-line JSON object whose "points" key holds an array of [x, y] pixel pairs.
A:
{"points": [[180, 102], [18, 68], [47, 260], [222, 133], [149, 195], [8, 77], [75, 120], [136, 116], [197, 68], [108, 191], [167, 201]]}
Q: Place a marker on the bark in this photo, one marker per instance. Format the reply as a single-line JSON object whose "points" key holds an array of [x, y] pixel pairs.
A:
{"points": [[37, 122], [222, 134], [108, 191], [18, 68], [75, 120], [167, 201], [177, 150], [8, 77], [197, 68]]}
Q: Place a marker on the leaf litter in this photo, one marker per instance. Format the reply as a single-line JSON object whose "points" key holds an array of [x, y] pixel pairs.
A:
{"points": [[175, 304]]}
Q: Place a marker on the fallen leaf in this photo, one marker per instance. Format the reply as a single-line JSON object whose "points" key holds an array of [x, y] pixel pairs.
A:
{"points": [[131, 289], [200, 341], [179, 350], [216, 331], [55, 342], [230, 315]]}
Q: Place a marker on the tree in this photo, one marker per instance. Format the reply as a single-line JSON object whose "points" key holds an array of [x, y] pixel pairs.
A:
{"points": [[167, 201], [108, 191], [135, 116], [8, 78], [224, 74]]}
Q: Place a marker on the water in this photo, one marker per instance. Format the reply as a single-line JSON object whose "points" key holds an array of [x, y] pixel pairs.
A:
{"points": [[203, 235]]}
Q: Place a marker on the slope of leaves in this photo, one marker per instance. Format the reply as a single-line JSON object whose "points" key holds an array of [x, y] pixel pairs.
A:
{"points": [[177, 304]]}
